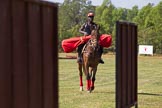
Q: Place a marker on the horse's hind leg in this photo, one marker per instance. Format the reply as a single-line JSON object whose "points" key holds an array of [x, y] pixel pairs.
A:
{"points": [[80, 76]]}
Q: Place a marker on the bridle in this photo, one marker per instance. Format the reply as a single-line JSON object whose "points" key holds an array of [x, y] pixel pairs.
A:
{"points": [[93, 42]]}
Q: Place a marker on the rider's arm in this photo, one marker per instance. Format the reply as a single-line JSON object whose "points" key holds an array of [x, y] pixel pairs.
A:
{"points": [[81, 30]]}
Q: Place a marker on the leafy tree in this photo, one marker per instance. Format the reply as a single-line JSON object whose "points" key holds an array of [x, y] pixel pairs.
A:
{"points": [[71, 14], [132, 13], [140, 21], [104, 16], [142, 14], [154, 21]]}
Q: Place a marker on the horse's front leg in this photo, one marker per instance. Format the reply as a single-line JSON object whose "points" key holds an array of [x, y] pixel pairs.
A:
{"points": [[93, 78], [80, 76], [88, 77]]}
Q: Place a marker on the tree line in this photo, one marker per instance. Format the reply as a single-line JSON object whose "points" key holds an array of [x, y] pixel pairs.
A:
{"points": [[73, 13]]}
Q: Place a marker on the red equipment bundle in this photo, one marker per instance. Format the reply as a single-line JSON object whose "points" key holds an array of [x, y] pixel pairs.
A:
{"points": [[71, 44]]}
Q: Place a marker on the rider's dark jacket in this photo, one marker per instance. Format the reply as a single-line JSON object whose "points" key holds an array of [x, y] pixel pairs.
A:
{"points": [[88, 27]]}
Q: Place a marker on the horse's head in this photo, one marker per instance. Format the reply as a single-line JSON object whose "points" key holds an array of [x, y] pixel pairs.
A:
{"points": [[95, 35], [95, 32]]}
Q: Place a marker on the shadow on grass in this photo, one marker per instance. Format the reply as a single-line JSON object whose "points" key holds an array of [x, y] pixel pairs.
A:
{"points": [[153, 94], [103, 92]]}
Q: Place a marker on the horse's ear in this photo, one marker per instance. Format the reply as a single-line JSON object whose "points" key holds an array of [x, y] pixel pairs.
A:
{"points": [[98, 27]]}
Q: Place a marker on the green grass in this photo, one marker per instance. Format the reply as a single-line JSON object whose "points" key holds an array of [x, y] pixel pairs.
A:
{"points": [[149, 84]]}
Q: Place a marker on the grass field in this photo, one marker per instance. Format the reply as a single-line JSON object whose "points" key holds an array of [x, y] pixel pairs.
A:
{"points": [[149, 84]]}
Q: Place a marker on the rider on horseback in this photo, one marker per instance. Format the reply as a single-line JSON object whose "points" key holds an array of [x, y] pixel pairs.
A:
{"points": [[86, 29]]}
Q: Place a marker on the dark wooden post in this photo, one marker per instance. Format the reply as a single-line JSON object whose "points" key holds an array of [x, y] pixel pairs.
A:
{"points": [[126, 65], [28, 54]]}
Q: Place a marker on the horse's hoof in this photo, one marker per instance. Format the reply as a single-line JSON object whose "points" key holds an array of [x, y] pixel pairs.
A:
{"points": [[88, 91], [92, 88], [81, 88]]}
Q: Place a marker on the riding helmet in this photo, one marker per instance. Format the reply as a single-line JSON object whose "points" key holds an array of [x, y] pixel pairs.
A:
{"points": [[90, 14]]}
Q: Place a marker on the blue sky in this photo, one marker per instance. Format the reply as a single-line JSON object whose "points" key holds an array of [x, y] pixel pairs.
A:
{"points": [[121, 3]]}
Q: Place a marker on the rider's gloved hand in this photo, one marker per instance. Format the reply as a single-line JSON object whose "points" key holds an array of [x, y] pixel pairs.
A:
{"points": [[85, 34]]}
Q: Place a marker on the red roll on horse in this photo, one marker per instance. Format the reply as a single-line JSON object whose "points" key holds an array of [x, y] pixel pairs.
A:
{"points": [[71, 44]]}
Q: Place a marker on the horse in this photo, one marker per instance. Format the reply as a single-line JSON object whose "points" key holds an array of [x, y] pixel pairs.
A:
{"points": [[90, 60]]}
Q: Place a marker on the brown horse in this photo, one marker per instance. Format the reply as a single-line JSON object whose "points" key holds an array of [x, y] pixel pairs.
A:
{"points": [[91, 57]]}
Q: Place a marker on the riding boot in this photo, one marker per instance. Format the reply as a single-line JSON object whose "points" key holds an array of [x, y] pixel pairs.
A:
{"points": [[101, 51], [79, 59], [79, 50]]}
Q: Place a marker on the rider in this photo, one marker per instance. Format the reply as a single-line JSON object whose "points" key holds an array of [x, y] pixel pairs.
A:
{"points": [[86, 29]]}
